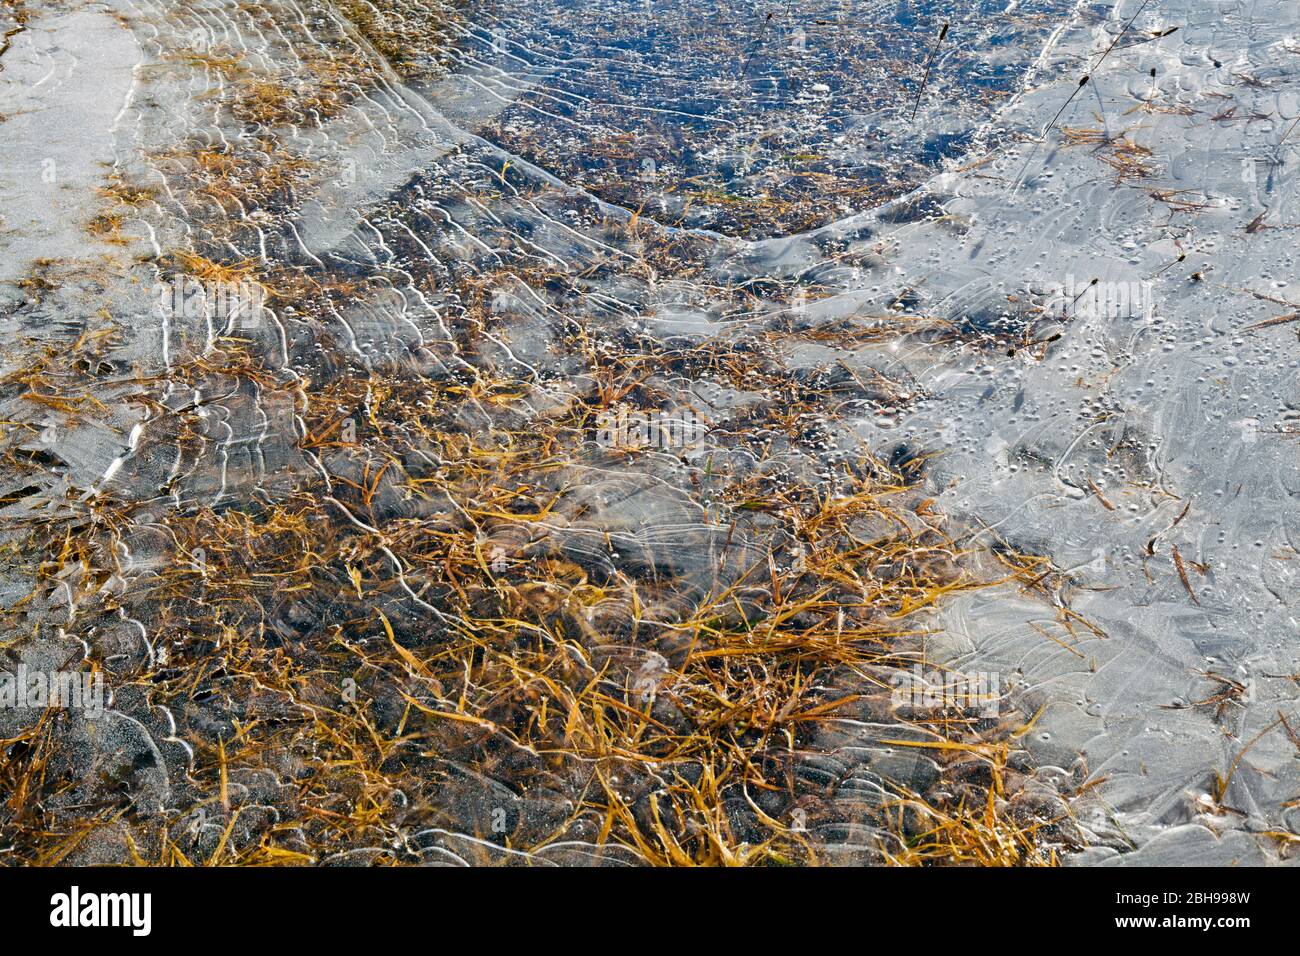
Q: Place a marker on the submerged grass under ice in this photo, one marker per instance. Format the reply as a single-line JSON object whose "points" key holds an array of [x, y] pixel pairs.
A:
{"points": [[367, 583]]}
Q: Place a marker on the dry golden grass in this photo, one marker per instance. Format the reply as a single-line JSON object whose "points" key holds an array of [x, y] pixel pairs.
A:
{"points": [[506, 671], [228, 64], [241, 184], [396, 634], [1127, 158], [408, 35], [323, 88]]}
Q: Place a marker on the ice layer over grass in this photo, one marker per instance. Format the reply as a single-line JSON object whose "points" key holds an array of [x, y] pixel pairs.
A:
{"points": [[389, 554]]}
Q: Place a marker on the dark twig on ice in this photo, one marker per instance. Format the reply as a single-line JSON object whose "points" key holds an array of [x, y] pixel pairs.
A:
{"points": [[1034, 152], [1119, 36], [758, 41], [1082, 83], [1288, 132], [1075, 300], [929, 64]]}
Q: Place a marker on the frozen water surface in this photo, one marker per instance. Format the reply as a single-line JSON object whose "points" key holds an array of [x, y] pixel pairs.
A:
{"points": [[715, 116], [607, 403]]}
